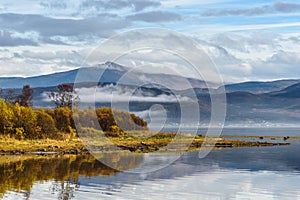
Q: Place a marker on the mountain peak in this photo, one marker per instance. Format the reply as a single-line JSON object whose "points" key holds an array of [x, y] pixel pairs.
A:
{"points": [[115, 66]]}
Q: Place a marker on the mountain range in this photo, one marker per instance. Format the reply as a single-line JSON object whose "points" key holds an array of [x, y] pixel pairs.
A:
{"points": [[255, 102], [104, 73], [257, 87]]}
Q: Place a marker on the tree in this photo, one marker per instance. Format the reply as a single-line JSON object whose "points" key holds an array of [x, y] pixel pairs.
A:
{"points": [[65, 96], [6, 118], [25, 122], [25, 99], [63, 119], [46, 124], [105, 118]]}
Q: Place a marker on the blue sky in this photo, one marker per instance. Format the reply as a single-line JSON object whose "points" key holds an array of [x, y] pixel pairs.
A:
{"points": [[248, 40]]}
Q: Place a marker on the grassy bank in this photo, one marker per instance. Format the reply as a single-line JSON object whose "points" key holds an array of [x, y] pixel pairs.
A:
{"points": [[15, 146], [135, 142]]}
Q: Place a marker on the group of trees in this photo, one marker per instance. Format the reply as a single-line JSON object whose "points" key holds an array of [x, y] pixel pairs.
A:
{"points": [[110, 120], [20, 120], [25, 122]]}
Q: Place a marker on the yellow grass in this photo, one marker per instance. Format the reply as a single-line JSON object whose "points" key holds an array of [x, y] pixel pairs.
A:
{"points": [[12, 144], [140, 141]]}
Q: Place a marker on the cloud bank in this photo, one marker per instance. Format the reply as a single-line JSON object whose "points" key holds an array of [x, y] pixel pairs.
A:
{"points": [[247, 40]]}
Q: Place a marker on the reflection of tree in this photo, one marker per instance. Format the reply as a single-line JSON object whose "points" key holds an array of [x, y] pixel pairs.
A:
{"points": [[26, 194], [65, 189], [21, 175]]}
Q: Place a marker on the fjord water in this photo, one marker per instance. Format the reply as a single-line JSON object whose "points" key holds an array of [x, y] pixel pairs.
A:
{"points": [[251, 173]]}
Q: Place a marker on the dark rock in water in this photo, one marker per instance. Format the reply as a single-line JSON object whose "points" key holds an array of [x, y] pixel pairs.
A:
{"points": [[261, 137], [218, 144], [285, 138]]}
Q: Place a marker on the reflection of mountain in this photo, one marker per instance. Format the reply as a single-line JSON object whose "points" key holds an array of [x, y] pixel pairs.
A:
{"points": [[249, 159], [249, 103]]}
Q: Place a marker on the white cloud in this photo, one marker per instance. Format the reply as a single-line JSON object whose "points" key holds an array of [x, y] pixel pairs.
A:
{"points": [[286, 58], [238, 56], [241, 56], [49, 26], [124, 94], [10, 39], [76, 8], [20, 61]]}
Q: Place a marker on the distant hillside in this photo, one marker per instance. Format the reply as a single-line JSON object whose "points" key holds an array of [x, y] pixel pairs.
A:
{"points": [[292, 91], [238, 97], [257, 87]]}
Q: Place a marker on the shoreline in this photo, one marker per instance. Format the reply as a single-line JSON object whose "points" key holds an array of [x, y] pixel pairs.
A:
{"points": [[162, 143]]}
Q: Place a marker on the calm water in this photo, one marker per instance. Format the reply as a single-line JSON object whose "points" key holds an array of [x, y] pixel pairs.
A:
{"points": [[246, 173], [268, 131]]}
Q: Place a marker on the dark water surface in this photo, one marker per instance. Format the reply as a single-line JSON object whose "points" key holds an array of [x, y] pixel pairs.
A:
{"points": [[245, 173], [253, 131]]}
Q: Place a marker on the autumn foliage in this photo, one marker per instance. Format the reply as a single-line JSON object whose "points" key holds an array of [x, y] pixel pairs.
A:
{"points": [[108, 118], [24, 122], [112, 122]]}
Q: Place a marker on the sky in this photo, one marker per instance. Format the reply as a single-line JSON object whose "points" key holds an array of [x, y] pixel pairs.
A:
{"points": [[247, 40]]}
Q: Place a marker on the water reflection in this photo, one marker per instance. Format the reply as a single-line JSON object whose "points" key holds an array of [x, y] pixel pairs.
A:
{"points": [[64, 190], [262, 172], [216, 184], [20, 173]]}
